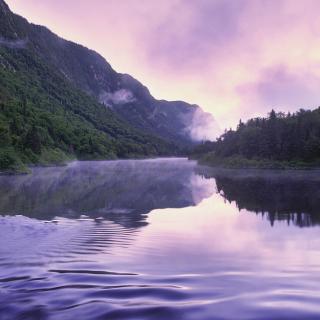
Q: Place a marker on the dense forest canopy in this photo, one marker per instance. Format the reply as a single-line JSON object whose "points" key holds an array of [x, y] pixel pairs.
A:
{"points": [[50, 106], [89, 72], [44, 118], [278, 137]]}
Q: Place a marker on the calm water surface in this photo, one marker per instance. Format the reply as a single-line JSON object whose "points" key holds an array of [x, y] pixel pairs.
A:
{"points": [[159, 239]]}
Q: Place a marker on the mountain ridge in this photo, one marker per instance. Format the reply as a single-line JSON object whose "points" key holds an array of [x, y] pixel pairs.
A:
{"points": [[60, 100], [130, 99], [46, 119]]}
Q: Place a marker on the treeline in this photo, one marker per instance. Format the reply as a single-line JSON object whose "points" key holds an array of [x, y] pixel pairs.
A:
{"points": [[280, 137]]}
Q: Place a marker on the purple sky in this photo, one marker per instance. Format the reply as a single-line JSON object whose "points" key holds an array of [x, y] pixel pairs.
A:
{"points": [[236, 59]]}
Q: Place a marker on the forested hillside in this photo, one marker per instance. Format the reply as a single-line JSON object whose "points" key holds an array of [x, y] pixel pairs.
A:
{"points": [[45, 118], [175, 121], [278, 140]]}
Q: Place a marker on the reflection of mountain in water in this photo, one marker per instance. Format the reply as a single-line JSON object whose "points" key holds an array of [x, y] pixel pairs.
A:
{"points": [[122, 191], [279, 195]]}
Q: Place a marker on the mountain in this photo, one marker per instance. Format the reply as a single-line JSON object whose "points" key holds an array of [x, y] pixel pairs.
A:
{"points": [[176, 121], [45, 117]]}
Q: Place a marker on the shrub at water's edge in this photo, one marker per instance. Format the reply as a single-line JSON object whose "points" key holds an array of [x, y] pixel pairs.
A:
{"points": [[10, 162]]}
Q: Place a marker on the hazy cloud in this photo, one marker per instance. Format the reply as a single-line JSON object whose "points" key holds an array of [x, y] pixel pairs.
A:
{"points": [[13, 44], [202, 126], [121, 96], [281, 89], [235, 58]]}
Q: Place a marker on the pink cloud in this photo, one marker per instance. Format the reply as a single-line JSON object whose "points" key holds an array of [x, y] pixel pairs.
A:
{"points": [[236, 59], [281, 89]]}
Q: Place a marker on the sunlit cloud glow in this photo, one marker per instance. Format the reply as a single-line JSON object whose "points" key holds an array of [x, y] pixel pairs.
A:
{"points": [[236, 59]]}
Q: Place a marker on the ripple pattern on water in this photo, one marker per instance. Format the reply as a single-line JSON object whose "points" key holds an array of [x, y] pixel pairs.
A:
{"points": [[203, 260]]}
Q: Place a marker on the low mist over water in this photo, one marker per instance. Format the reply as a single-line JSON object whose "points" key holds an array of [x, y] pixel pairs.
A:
{"points": [[114, 189], [159, 239]]}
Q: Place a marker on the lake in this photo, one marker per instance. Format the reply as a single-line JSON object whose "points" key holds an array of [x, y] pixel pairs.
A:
{"points": [[159, 239]]}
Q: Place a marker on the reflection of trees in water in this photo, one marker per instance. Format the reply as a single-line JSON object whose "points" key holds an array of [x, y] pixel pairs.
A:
{"points": [[290, 196], [122, 191]]}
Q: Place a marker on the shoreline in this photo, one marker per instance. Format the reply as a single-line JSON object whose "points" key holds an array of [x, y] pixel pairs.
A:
{"points": [[237, 163], [27, 169]]}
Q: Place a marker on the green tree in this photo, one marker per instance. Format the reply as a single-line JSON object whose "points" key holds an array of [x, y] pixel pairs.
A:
{"points": [[32, 140]]}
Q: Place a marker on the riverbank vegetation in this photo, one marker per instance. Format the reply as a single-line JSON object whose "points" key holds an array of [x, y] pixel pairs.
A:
{"points": [[279, 141]]}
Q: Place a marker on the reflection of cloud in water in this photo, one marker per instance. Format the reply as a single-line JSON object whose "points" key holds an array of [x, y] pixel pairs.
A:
{"points": [[123, 191], [201, 188]]}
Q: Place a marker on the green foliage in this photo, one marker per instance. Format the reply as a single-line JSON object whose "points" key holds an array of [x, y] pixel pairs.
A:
{"points": [[10, 161], [53, 157], [278, 141], [43, 117]]}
